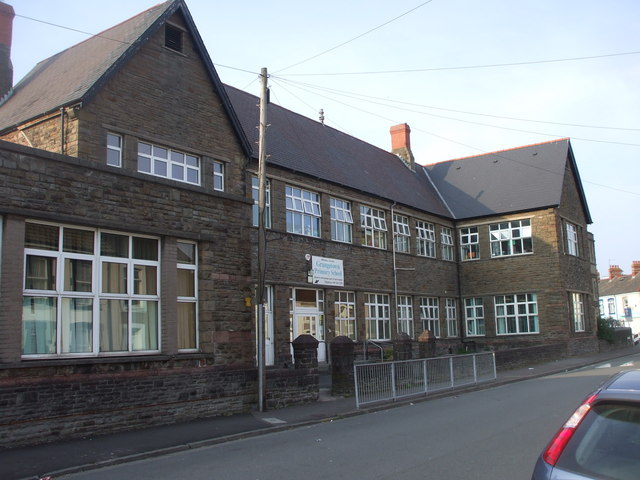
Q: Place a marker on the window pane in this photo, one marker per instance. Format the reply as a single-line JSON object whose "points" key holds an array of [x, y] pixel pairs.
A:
{"points": [[160, 168], [145, 248], [144, 148], [113, 140], [186, 326], [112, 245], [44, 237], [187, 253], [113, 325], [114, 277], [186, 283], [144, 164], [78, 275], [144, 325], [40, 273], [160, 152], [38, 325], [113, 158], [177, 157], [77, 241], [177, 172], [145, 280], [77, 325], [192, 175]]}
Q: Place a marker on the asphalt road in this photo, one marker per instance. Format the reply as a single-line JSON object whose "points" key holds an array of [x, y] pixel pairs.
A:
{"points": [[495, 433]]}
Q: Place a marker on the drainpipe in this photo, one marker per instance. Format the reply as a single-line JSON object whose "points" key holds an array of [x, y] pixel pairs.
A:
{"points": [[395, 270], [62, 133]]}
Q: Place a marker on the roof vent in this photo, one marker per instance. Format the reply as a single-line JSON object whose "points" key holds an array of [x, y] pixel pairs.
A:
{"points": [[173, 38]]}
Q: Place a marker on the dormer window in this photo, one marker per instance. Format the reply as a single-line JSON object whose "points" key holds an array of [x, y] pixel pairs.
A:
{"points": [[173, 38]]}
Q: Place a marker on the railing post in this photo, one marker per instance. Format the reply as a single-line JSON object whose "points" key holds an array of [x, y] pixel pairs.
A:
{"points": [[355, 380], [451, 371], [425, 375], [475, 370], [495, 373], [393, 381]]}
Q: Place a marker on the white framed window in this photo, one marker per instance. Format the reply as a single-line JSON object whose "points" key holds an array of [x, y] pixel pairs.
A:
{"points": [[218, 176], [303, 212], [446, 243], [451, 317], [601, 307], [377, 316], [167, 163], [255, 192], [89, 292], [577, 302], [374, 227], [511, 238], [404, 313], [401, 233], [469, 243], [425, 239], [345, 314], [187, 292], [341, 220], [611, 306], [572, 239], [474, 316], [516, 314], [430, 314], [114, 150]]}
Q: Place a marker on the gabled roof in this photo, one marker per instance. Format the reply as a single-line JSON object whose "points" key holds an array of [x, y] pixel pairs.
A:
{"points": [[519, 179], [300, 144], [619, 285], [77, 73]]}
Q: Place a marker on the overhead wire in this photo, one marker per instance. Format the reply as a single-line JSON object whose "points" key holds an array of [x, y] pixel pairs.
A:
{"points": [[354, 38], [467, 67], [471, 122]]}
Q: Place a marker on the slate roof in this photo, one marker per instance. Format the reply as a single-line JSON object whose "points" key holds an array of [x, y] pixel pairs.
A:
{"points": [[619, 285], [77, 73], [519, 179], [307, 146]]}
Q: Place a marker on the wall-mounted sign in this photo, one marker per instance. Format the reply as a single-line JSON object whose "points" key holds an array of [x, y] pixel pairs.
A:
{"points": [[326, 271]]}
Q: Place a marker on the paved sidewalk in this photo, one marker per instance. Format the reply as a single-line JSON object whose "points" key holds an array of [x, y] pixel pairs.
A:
{"points": [[69, 456]]}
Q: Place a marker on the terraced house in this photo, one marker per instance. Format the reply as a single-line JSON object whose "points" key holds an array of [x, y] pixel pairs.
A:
{"points": [[129, 187]]}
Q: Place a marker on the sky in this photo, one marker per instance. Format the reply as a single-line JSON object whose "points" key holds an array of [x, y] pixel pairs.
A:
{"points": [[468, 76]]}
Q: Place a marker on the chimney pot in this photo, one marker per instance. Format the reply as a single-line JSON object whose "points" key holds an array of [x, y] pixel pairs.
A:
{"points": [[635, 267], [401, 143], [614, 271]]}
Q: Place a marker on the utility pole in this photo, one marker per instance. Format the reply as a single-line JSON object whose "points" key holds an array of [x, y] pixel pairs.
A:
{"points": [[262, 242]]}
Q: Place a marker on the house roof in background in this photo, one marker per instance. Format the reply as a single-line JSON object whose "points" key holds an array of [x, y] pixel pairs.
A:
{"points": [[619, 285]]}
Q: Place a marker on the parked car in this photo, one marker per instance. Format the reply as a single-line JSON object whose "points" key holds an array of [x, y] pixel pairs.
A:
{"points": [[601, 440]]}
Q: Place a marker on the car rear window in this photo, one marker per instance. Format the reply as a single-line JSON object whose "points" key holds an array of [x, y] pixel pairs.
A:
{"points": [[606, 444]]}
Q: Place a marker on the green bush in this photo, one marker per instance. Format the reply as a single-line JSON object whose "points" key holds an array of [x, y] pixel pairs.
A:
{"points": [[605, 329]]}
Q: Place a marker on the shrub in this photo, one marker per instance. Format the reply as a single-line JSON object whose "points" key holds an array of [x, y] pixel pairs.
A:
{"points": [[605, 329]]}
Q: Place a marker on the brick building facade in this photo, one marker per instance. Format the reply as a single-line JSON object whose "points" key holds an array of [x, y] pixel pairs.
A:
{"points": [[128, 241]]}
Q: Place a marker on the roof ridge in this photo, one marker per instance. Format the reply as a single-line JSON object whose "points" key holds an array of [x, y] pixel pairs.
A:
{"points": [[564, 139]]}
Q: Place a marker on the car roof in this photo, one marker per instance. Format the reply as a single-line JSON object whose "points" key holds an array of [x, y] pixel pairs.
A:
{"points": [[627, 380]]}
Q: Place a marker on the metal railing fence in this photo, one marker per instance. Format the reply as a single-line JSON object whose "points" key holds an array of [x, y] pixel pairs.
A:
{"points": [[378, 382]]}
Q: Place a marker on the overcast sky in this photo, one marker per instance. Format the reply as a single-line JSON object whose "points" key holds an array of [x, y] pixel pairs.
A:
{"points": [[468, 76]]}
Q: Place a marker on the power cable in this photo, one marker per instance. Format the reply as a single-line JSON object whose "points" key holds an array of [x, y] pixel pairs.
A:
{"points": [[468, 67], [477, 123], [501, 117], [354, 38]]}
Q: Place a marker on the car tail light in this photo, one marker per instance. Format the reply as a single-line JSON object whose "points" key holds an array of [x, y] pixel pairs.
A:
{"points": [[559, 442]]}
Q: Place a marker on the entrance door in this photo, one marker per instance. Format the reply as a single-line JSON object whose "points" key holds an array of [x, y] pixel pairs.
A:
{"points": [[309, 323]]}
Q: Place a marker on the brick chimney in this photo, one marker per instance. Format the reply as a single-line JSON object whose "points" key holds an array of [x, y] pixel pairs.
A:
{"points": [[401, 144], [614, 271], [6, 32], [635, 267]]}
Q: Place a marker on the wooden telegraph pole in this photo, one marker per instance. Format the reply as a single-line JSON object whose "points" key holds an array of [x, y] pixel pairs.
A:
{"points": [[262, 243]]}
